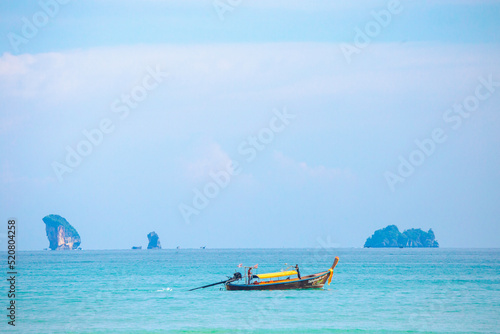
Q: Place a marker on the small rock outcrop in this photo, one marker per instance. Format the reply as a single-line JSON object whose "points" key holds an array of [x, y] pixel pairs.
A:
{"points": [[60, 233], [154, 241], [391, 237]]}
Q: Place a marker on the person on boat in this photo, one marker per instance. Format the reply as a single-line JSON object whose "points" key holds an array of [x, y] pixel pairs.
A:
{"points": [[297, 269], [249, 273]]}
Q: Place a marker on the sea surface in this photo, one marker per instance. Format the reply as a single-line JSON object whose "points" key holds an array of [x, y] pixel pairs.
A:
{"points": [[145, 291]]}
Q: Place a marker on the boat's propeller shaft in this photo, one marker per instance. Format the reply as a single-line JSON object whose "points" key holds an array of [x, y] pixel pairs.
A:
{"points": [[237, 276]]}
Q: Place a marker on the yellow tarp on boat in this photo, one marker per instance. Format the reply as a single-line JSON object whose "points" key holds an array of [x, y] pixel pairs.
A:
{"points": [[280, 274]]}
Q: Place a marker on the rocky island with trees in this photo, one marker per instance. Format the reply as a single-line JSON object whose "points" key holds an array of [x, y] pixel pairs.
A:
{"points": [[391, 237], [61, 235]]}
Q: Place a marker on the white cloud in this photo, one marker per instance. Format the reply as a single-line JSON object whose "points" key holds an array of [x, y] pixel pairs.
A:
{"points": [[15, 65], [302, 169], [12, 121], [206, 157], [342, 5], [271, 68], [216, 84], [8, 175]]}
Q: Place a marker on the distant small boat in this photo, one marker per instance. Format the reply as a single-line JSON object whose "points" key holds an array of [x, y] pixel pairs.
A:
{"points": [[137, 247], [203, 247], [273, 281]]}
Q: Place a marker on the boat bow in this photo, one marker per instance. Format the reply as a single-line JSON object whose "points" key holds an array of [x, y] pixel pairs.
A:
{"points": [[331, 269]]}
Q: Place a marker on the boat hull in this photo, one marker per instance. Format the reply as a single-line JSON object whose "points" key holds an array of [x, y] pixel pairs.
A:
{"points": [[316, 281]]}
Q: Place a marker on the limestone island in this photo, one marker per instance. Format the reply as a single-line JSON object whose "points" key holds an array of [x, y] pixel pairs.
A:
{"points": [[391, 237], [154, 241], [61, 234]]}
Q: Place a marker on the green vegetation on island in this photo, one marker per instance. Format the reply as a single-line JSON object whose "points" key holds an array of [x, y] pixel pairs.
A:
{"points": [[60, 233], [391, 237]]}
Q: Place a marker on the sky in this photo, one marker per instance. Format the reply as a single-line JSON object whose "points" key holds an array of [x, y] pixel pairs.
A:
{"points": [[250, 124]]}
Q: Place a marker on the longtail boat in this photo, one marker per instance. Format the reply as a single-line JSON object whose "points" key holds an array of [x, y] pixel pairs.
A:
{"points": [[284, 280]]}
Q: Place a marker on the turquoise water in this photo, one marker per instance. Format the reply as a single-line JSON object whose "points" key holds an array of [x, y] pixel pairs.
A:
{"points": [[373, 291]]}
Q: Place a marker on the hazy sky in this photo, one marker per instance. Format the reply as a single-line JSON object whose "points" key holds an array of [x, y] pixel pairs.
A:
{"points": [[250, 123]]}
